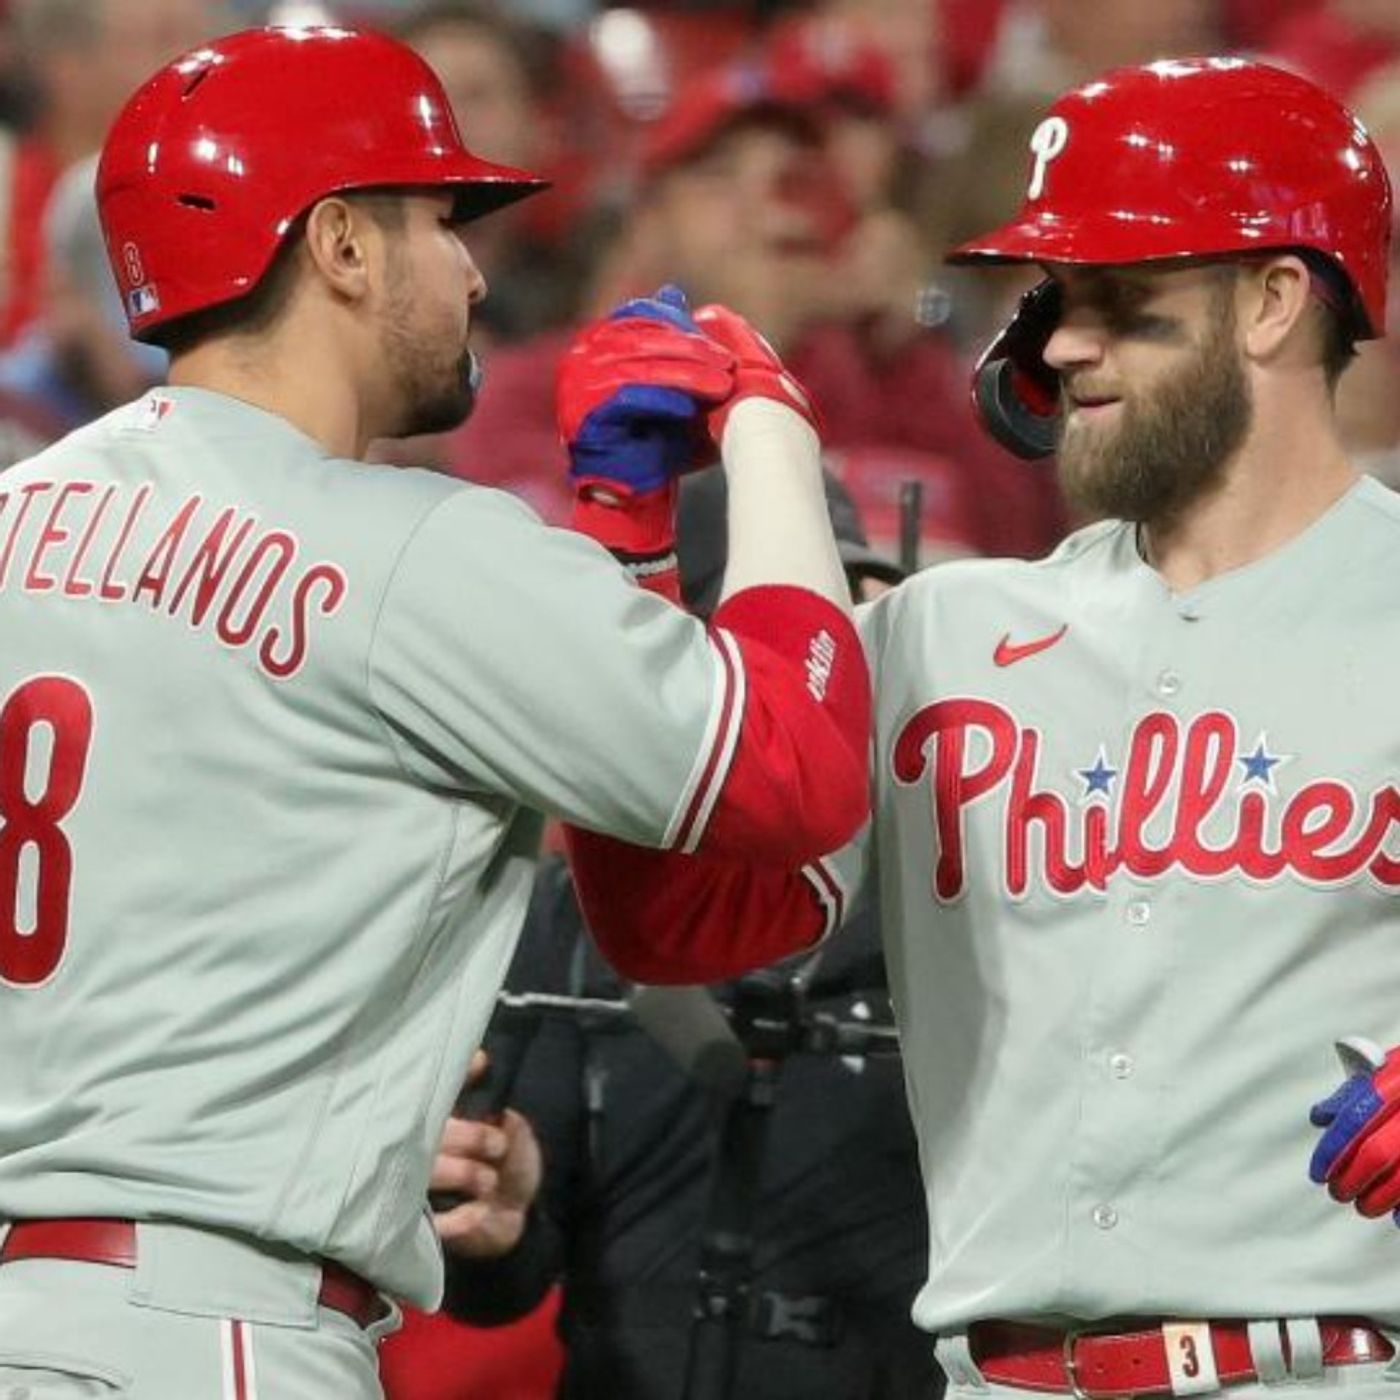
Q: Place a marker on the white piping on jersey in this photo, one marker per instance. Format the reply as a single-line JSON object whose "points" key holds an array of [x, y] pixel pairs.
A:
{"points": [[831, 894], [712, 762]]}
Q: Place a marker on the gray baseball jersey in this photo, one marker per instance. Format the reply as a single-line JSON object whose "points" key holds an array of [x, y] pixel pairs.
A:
{"points": [[1138, 858], [273, 731]]}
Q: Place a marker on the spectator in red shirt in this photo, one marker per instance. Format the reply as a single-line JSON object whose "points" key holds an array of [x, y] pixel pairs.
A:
{"points": [[739, 203]]}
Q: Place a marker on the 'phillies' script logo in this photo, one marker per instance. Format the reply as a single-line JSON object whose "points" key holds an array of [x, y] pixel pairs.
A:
{"points": [[1186, 778]]}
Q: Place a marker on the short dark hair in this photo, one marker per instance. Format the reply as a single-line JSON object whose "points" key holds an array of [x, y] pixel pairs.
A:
{"points": [[1343, 317], [1338, 343], [1336, 307], [257, 310]]}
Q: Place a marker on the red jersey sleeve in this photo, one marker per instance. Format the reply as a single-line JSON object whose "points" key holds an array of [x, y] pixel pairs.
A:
{"points": [[663, 917], [783, 780]]}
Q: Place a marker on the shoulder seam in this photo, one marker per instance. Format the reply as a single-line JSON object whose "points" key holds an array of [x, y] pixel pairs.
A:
{"points": [[391, 739]]}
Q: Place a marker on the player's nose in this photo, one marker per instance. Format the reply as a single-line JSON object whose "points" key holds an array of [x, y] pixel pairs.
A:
{"points": [[477, 286], [477, 291], [1074, 344]]}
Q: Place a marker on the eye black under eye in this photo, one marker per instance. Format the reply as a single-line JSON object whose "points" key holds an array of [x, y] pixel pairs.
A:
{"points": [[1143, 324], [1124, 309]]}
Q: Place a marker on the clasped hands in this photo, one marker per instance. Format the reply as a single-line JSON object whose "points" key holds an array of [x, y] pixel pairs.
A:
{"points": [[644, 395]]}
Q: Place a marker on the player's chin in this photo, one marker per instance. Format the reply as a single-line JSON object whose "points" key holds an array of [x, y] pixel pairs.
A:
{"points": [[440, 412], [1093, 428], [1092, 482], [1082, 472]]}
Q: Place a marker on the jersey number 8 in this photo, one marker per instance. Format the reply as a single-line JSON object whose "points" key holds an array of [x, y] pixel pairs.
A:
{"points": [[30, 821]]}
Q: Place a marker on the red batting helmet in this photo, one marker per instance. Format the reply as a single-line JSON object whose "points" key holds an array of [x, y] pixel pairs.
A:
{"points": [[211, 162], [1198, 158]]}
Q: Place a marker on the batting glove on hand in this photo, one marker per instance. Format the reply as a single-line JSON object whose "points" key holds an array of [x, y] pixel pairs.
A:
{"points": [[758, 372], [632, 395], [1358, 1155]]}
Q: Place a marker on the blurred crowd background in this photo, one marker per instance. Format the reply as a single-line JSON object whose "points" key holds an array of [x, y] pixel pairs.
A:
{"points": [[806, 163]]}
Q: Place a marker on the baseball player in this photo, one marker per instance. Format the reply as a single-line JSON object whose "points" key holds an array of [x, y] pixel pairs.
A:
{"points": [[1136, 835], [277, 726]]}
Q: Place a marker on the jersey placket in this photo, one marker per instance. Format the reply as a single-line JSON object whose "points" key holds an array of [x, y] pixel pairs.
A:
{"points": [[1131, 993]]}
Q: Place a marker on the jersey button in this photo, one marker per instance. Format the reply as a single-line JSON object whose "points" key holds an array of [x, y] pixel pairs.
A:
{"points": [[1105, 1217], [1121, 1065], [1168, 683], [1139, 913]]}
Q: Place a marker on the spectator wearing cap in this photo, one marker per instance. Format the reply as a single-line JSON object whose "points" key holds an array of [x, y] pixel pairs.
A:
{"points": [[830, 66], [733, 206], [630, 1149], [742, 199], [738, 202]]}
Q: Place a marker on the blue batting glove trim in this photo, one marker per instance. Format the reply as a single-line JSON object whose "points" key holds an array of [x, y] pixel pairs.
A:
{"points": [[1344, 1113], [642, 437], [669, 305], [646, 402]]}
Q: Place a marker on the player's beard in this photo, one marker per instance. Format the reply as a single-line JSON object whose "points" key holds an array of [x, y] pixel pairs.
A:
{"points": [[1172, 442], [435, 388]]}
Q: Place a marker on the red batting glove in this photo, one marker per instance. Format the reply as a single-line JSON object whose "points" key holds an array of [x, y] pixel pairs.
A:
{"points": [[1358, 1155], [631, 400], [623, 390], [758, 372]]}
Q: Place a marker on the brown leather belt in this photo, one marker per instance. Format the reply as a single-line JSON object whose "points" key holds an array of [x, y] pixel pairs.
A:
{"points": [[1094, 1364], [113, 1242]]}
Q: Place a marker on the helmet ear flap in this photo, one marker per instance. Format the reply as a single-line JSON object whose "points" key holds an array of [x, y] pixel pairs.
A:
{"points": [[1015, 394]]}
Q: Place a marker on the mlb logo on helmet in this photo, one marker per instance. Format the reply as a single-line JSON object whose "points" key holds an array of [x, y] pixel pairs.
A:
{"points": [[142, 301]]}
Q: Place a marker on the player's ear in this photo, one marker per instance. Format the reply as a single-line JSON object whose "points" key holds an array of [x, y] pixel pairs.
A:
{"points": [[338, 237], [1273, 297]]}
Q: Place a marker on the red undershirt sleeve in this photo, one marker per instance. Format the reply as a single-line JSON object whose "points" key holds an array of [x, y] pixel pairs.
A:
{"points": [[783, 781]]}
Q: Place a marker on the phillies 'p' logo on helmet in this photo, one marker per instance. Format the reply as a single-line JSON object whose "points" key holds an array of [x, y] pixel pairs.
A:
{"points": [[211, 162], [1047, 141], [1202, 158]]}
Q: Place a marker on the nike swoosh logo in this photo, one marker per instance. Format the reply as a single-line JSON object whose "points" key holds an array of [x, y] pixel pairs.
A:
{"points": [[1008, 653]]}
